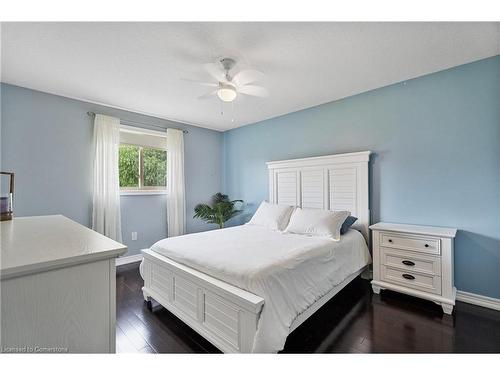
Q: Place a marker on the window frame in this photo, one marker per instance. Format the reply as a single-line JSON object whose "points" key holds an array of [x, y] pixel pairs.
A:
{"points": [[141, 189]]}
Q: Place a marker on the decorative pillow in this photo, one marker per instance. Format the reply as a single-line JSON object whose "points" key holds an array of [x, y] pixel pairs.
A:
{"points": [[273, 216], [316, 222], [347, 224]]}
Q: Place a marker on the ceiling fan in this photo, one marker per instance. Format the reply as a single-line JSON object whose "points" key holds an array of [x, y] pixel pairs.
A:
{"points": [[228, 86]]}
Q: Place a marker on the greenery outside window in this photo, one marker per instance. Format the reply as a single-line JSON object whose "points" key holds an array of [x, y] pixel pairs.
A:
{"points": [[142, 167]]}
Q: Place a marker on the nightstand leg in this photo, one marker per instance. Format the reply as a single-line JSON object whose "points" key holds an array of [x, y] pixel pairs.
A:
{"points": [[447, 309], [376, 289]]}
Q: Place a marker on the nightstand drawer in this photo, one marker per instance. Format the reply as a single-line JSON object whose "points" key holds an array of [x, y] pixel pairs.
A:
{"points": [[421, 244], [410, 261], [414, 280]]}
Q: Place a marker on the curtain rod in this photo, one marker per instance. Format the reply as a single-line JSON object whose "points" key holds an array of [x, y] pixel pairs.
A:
{"points": [[134, 123]]}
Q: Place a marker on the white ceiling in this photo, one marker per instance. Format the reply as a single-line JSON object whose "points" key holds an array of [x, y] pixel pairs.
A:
{"points": [[139, 66]]}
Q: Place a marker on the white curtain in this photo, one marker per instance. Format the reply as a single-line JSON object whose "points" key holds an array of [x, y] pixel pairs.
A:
{"points": [[176, 203], [106, 186]]}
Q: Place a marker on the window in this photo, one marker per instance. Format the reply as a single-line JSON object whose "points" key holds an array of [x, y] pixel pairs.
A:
{"points": [[142, 161]]}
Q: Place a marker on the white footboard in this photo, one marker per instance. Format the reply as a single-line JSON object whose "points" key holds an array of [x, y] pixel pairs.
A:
{"points": [[225, 315]]}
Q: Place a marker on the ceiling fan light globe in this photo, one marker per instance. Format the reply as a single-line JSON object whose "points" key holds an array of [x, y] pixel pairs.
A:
{"points": [[226, 94]]}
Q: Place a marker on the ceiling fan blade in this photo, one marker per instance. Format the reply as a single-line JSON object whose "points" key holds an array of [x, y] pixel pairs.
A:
{"points": [[247, 76], [210, 84], [208, 95], [215, 72], [254, 91]]}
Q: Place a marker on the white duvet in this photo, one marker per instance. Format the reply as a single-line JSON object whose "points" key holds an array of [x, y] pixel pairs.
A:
{"points": [[290, 271]]}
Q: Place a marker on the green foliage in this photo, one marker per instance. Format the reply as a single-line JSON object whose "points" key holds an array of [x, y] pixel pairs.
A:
{"points": [[129, 166], [155, 167], [222, 210]]}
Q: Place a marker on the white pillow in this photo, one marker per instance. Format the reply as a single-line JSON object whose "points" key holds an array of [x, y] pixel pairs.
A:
{"points": [[273, 216], [316, 222]]}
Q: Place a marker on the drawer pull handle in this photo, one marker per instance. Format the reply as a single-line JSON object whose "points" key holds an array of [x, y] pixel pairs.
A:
{"points": [[408, 263], [426, 245], [390, 240], [408, 277]]}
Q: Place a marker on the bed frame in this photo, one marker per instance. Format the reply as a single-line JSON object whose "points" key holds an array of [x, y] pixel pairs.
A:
{"points": [[227, 316]]}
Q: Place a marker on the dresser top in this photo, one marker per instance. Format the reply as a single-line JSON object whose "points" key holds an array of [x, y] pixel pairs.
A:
{"points": [[38, 243], [416, 229]]}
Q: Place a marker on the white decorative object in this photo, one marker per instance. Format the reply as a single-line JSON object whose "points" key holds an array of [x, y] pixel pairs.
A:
{"points": [[344, 186], [317, 222], [176, 201], [106, 217], [58, 286], [272, 216], [416, 260]]}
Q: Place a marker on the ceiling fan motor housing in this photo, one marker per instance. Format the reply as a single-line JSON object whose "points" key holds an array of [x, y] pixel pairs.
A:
{"points": [[228, 63]]}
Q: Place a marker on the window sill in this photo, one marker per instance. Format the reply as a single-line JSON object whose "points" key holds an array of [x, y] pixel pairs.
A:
{"points": [[143, 192]]}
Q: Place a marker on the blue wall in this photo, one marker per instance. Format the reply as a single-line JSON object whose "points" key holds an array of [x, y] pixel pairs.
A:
{"points": [[436, 141], [47, 141]]}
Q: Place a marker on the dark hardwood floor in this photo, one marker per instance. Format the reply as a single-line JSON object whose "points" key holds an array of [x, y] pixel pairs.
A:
{"points": [[354, 321]]}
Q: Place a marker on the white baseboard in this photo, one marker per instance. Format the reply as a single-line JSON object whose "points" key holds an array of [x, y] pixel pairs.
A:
{"points": [[479, 300], [127, 260]]}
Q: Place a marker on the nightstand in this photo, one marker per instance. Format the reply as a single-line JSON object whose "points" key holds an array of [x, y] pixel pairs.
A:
{"points": [[416, 260]]}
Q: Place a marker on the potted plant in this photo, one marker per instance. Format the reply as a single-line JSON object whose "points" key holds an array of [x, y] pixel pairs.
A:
{"points": [[221, 210]]}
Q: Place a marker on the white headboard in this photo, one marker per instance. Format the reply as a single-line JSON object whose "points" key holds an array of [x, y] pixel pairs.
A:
{"points": [[331, 182]]}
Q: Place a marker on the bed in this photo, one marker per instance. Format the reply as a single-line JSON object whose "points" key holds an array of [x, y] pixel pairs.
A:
{"points": [[246, 288]]}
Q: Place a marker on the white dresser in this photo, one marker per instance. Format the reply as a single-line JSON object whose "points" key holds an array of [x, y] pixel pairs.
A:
{"points": [[416, 260], [58, 287]]}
